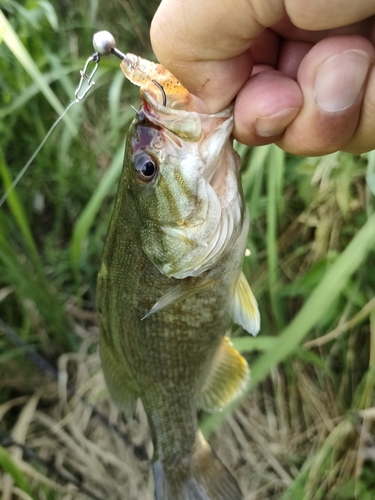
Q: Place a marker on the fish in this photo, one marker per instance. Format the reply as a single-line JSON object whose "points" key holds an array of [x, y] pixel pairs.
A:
{"points": [[170, 281]]}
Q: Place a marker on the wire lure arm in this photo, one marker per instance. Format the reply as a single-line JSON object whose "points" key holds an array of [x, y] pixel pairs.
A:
{"points": [[88, 78], [104, 45]]}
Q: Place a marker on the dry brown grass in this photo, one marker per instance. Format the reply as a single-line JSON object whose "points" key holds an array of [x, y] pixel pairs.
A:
{"points": [[70, 453]]}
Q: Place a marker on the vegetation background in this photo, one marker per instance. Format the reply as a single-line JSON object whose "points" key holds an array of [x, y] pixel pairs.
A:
{"points": [[306, 429]]}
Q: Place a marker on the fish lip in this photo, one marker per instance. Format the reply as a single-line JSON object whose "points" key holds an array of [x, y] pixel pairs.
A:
{"points": [[167, 110]]}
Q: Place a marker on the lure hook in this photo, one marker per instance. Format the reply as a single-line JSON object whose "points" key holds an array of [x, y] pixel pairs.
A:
{"points": [[160, 87]]}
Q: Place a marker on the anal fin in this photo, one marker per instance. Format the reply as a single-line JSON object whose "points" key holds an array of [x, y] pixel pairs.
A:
{"points": [[119, 381], [227, 379], [245, 310]]}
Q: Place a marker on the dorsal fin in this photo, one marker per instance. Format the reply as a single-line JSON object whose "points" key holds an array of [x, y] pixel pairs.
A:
{"points": [[245, 310], [227, 379]]}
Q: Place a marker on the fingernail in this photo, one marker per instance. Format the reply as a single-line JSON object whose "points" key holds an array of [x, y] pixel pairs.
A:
{"points": [[340, 78], [267, 126]]}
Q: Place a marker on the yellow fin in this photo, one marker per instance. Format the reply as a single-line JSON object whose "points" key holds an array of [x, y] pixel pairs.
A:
{"points": [[227, 379], [245, 310]]}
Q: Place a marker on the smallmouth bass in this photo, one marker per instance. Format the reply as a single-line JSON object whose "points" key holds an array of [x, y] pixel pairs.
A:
{"points": [[170, 281]]}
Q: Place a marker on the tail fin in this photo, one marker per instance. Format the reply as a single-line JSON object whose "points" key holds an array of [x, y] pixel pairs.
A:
{"points": [[206, 479]]}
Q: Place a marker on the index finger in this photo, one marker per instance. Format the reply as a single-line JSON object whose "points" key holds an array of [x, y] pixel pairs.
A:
{"points": [[205, 44]]}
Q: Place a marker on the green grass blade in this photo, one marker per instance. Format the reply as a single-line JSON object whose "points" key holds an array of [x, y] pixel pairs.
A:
{"points": [[370, 182], [322, 298], [249, 344], [255, 165], [114, 99], [252, 179], [7, 464], [87, 217], [315, 464], [17, 210], [33, 285], [370, 173], [274, 188], [9, 36]]}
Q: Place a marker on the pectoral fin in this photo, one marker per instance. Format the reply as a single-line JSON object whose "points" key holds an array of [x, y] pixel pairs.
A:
{"points": [[177, 293], [173, 294], [227, 379], [244, 306]]}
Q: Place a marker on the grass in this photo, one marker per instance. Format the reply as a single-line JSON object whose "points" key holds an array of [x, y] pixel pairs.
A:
{"points": [[305, 429]]}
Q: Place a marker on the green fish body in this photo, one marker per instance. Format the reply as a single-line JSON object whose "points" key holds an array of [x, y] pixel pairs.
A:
{"points": [[169, 285]]}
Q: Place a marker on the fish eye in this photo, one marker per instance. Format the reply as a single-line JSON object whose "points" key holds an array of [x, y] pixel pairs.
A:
{"points": [[146, 167]]}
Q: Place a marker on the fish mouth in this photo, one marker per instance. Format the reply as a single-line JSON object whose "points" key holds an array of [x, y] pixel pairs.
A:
{"points": [[166, 102], [186, 122]]}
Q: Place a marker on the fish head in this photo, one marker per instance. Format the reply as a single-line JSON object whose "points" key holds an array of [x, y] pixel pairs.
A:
{"points": [[184, 177]]}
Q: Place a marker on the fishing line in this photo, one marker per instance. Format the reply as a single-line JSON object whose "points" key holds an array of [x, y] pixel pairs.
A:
{"points": [[21, 173], [104, 44], [79, 96]]}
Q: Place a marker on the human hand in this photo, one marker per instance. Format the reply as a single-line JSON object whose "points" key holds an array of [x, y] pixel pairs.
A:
{"points": [[302, 71]]}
